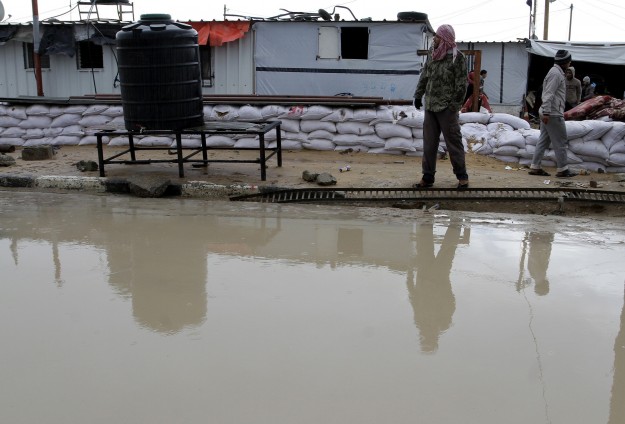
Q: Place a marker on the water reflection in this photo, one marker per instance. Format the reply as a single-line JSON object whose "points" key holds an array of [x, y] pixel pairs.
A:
{"points": [[537, 246], [429, 285], [617, 400]]}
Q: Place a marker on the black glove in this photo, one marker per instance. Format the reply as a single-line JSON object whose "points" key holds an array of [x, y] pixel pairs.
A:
{"points": [[418, 103]]}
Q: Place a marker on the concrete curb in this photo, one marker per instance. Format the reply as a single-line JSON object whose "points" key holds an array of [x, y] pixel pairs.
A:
{"points": [[191, 189]]}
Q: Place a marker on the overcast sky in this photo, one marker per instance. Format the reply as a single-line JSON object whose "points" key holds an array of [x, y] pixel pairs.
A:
{"points": [[473, 20]]}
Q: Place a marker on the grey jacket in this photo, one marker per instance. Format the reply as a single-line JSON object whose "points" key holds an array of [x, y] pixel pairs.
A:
{"points": [[554, 92]]}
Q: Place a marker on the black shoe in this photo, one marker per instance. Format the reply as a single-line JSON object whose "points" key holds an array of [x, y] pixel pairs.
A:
{"points": [[463, 184], [423, 184], [538, 172], [566, 174]]}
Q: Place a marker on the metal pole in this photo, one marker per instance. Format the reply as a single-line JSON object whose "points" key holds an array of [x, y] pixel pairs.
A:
{"points": [[36, 39], [534, 20], [546, 27], [570, 21]]}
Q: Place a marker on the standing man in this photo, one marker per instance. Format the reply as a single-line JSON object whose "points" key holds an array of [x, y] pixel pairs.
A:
{"points": [[443, 82], [588, 89], [573, 89], [552, 127]]}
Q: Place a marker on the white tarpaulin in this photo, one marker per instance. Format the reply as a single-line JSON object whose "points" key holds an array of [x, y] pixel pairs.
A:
{"points": [[606, 53]]}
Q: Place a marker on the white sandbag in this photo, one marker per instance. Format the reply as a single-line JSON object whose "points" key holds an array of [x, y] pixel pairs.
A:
{"points": [[616, 159], [3, 109], [346, 140], [207, 110], [616, 134], [339, 115], [33, 133], [7, 121], [250, 113], [119, 141], [11, 141], [618, 147], [247, 143], [594, 159], [17, 112], [358, 128], [299, 136], [66, 120], [118, 122], [287, 145], [372, 141], [417, 132], [94, 120], [364, 115], [510, 138], [37, 142], [322, 144], [13, 132], [383, 151], [385, 114], [576, 129], [531, 136], [219, 141], [65, 140], [79, 109], [35, 110], [272, 111], [310, 126], [481, 148], [388, 130], [528, 152], [224, 113], [411, 117], [72, 130], [499, 127], [294, 112], [52, 132], [417, 143], [399, 143], [155, 141], [597, 130], [95, 110], [473, 117], [320, 134], [272, 135], [290, 125], [590, 148], [571, 157], [514, 121], [506, 151], [474, 131], [187, 142], [316, 113], [592, 167], [113, 111], [92, 140], [35, 122]]}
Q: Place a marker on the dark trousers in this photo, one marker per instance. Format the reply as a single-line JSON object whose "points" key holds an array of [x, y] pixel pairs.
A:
{"points": [[446, 122]]}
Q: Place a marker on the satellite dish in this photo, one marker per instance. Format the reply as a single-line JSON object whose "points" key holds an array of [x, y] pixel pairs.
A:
{"points": [[325, 15], [1, 11]]}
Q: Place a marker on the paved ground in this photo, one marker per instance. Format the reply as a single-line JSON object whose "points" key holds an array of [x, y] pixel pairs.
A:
{"points": [[367, 171]]}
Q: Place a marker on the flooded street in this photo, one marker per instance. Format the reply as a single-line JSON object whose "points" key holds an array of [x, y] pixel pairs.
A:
{"points": [[127, 310]]}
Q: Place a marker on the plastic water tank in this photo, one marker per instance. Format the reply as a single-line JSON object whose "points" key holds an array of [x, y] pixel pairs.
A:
{"points": [[160, 74]]}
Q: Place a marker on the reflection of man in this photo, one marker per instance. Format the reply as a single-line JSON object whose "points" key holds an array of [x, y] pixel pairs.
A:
{"points": [[538, 260], [617, 406], [430, 293]]}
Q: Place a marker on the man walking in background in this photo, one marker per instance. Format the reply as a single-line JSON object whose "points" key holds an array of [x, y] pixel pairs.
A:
{"points": [[443, 82], [552, 127]]}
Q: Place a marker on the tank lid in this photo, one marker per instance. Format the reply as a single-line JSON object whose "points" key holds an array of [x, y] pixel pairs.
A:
{"points": [[155, 17]]}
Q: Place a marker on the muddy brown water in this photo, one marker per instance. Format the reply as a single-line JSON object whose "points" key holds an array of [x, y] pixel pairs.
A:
{"points": [[117, 309]]}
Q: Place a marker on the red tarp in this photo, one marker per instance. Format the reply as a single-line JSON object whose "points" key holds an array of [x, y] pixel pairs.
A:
{"points": [[218, 33]]}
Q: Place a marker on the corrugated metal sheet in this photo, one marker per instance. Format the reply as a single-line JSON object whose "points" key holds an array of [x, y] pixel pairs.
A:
{"points": [[233, 67]]}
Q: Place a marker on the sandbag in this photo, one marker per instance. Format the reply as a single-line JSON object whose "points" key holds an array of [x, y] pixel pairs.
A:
{"points": [[388, 130], [473, 117], [249, 113], [358, 128], [315, 113], [321, 144], [514, 121], [339, 115], [399, 143], [597, 129], [310, 126]]}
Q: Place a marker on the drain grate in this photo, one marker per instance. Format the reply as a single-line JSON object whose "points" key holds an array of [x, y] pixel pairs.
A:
{"points": [[319, 195]]}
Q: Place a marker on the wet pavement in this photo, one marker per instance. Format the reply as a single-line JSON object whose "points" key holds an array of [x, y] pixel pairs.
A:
{"points": [[119, 309]]}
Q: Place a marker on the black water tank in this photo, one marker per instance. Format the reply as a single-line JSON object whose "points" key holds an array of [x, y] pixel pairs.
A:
{"points": [[160, 74]]}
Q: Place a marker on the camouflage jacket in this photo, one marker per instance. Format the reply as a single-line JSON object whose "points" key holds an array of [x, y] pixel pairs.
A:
{"points": [[444, 83]]}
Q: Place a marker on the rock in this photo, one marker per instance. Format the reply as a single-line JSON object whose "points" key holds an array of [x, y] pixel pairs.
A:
{"points": [[87, 166], [37, 153], [311, 177], [325, 179], [6, 160], [148, 186]]}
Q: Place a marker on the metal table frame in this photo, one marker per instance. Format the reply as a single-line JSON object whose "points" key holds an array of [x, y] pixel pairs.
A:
{"points": [[209, 128]]}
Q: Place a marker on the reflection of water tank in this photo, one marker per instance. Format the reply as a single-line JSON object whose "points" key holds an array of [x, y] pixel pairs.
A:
{"points": [[160, 74]]}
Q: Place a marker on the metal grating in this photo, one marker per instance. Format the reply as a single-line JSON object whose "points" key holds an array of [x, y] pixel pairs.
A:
{"points": [[320, 195]]}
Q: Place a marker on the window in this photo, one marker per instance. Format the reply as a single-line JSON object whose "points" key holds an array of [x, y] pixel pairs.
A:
{"points": [[354, 42], [89, 56], [206, 65], [29, 58], [343, 43]]}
